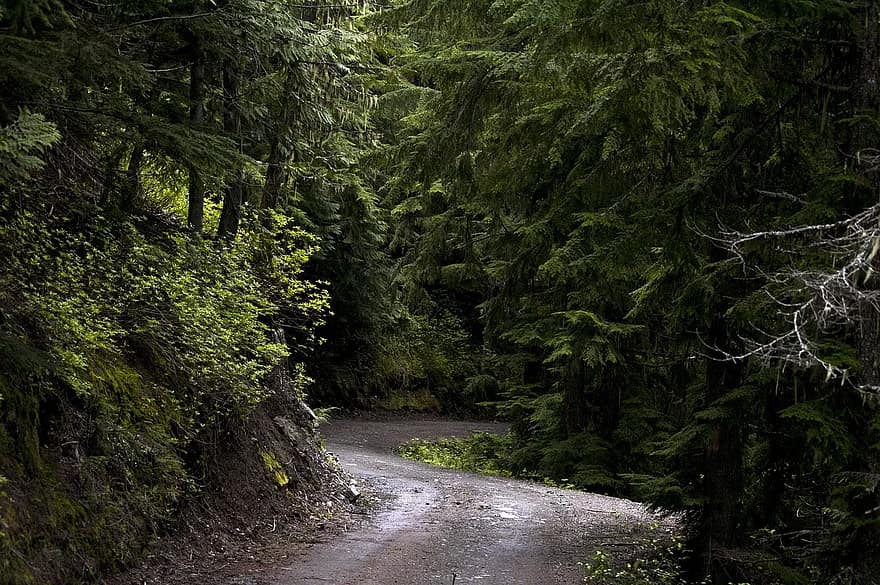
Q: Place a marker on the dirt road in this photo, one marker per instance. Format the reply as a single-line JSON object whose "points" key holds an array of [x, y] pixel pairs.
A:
{"points": [[437, 525]]}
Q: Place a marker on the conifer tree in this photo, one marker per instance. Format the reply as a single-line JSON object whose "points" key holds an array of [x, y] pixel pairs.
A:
{"points": [[581, 157]]}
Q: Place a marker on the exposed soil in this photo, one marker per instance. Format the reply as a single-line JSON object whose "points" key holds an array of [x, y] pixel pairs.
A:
{"points": [[435, 526], [244, 519]]}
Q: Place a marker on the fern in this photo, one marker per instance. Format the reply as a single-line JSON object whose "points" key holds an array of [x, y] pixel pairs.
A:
{"points": [[23, 145]]}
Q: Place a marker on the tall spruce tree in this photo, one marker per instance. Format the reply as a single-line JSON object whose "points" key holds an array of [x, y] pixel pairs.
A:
{"points": [[581, 158]]}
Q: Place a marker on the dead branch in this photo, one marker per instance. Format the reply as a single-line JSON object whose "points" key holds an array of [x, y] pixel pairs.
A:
{"points": [[834, 296]]}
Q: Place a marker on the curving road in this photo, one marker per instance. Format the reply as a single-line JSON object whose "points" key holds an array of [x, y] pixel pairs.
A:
{"points": [[441, 526]]}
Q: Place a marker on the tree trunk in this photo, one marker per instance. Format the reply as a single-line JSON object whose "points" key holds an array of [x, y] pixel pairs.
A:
{"points": [[132, 191], [276, 171], [866, 544], [773, 483], [867, 540], [574, 399], [230, 215], [722, 467], [275, 176], [196, 200]]}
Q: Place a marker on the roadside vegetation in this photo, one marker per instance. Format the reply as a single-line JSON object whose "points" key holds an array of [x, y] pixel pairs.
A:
{"points": [[645, 234], [665, 216], [480, 453], [158, 306]]}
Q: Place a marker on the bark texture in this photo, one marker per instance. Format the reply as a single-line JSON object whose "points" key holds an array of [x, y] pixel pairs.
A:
{"points": [[868, 536]]}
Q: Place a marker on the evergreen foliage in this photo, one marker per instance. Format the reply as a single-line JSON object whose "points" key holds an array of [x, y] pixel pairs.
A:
{"points": [[642, 232], [134, 342], [576, 169]]}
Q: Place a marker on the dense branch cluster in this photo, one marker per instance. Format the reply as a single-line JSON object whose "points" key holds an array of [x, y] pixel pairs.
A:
{"points": [[833, 298], [508, 208]]}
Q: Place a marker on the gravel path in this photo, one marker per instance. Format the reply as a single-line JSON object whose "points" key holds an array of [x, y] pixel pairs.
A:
{"points": [[441, 526]]}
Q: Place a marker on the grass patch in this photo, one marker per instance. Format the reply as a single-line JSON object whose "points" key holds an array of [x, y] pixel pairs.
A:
{"points": [[481, 453]]}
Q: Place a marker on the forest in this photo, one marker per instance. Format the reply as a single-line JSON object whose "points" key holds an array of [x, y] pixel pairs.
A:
{"points": [[644, 233]]}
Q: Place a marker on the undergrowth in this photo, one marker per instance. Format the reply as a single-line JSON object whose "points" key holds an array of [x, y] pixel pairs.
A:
{"points": [[658, 562], [480, 453], [125, 355]]}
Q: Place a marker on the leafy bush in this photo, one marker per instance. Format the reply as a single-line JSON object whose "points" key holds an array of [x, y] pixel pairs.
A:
{"points": [[123, 355], [657, 561], [480, 453]]}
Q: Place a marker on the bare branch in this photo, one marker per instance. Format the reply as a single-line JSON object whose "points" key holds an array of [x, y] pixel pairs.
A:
{"points": [[175, 17], [832, 297], [784, 195]]}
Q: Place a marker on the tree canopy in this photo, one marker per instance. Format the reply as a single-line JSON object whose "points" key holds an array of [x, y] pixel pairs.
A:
{"points": [[644, 233]]}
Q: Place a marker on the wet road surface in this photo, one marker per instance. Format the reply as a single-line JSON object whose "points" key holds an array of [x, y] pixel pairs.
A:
{"points": [[440, 526]]}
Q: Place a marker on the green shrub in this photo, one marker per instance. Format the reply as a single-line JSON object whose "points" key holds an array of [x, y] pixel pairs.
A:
{"points": [[426, 363], [480, 453], [656, 561], [122, 355]]}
